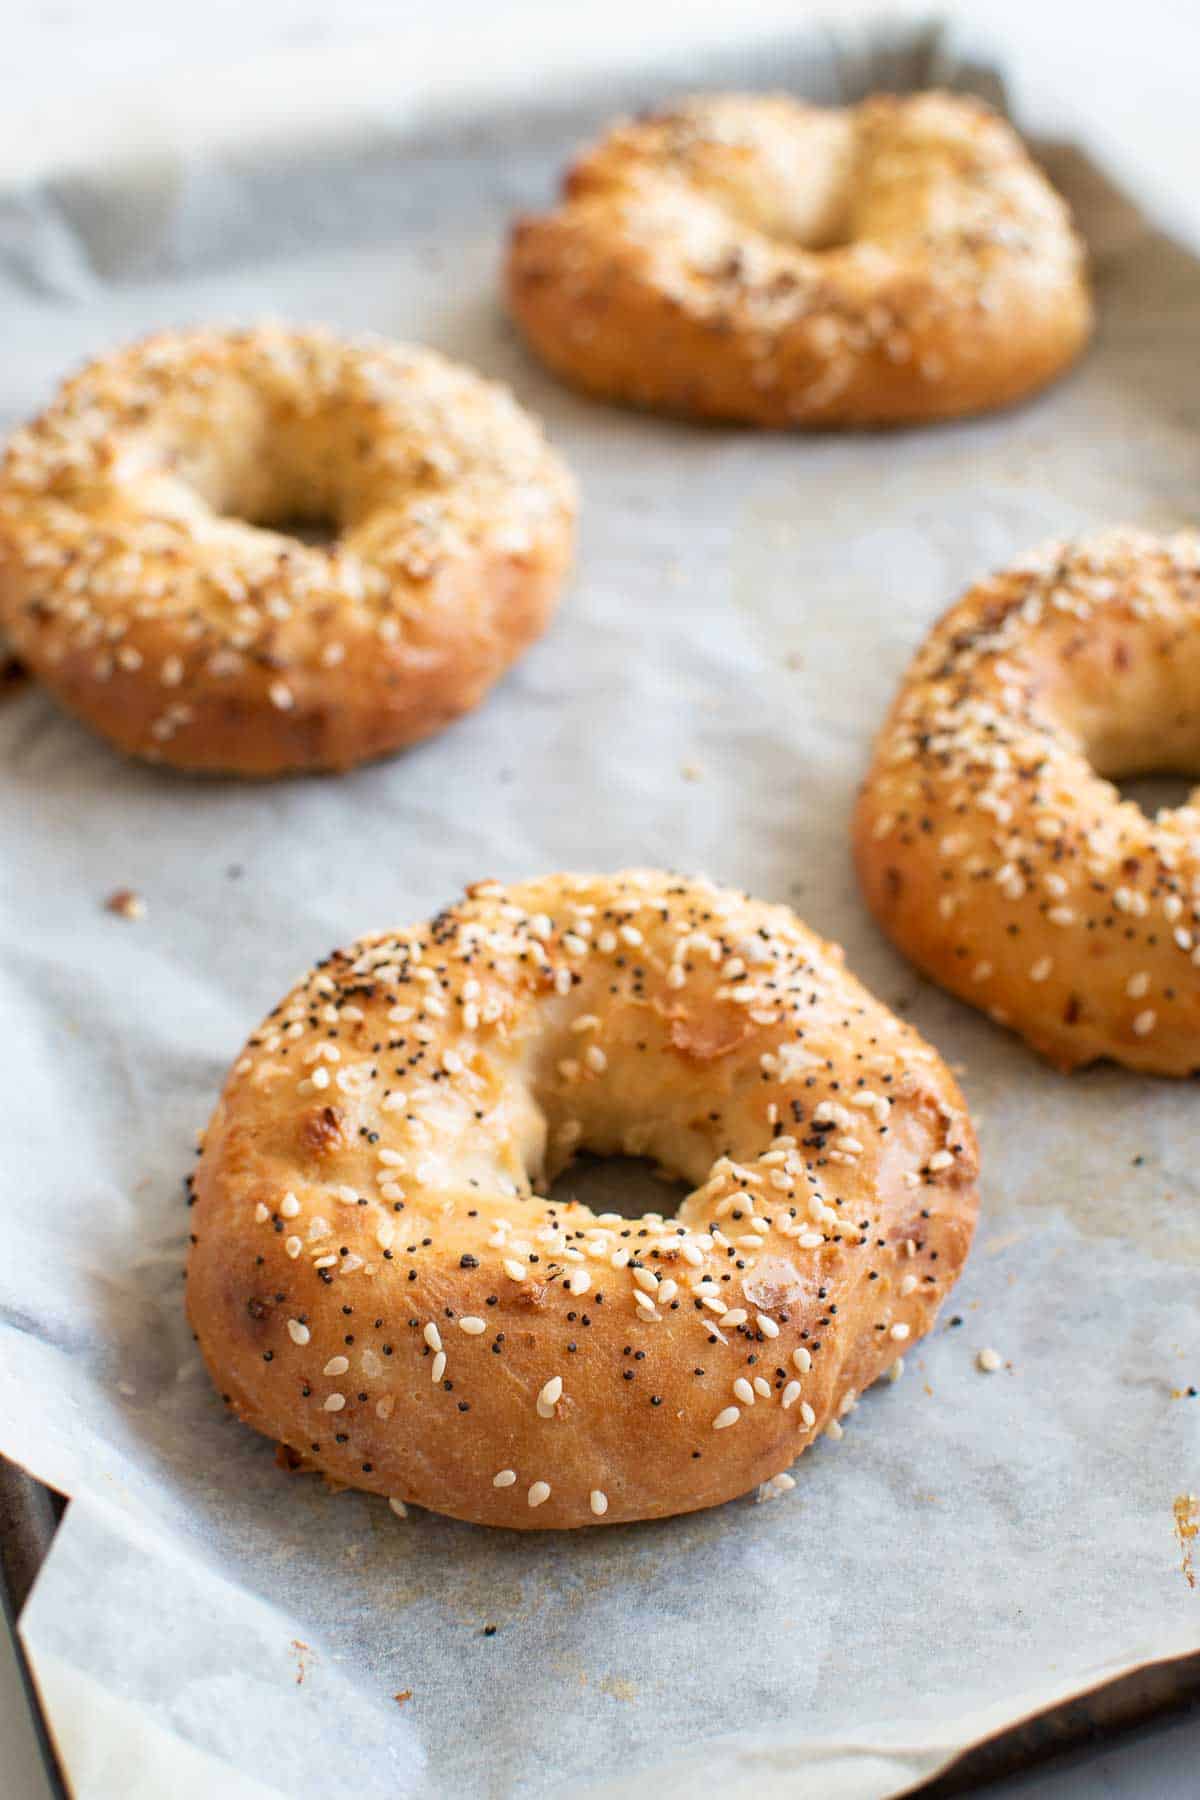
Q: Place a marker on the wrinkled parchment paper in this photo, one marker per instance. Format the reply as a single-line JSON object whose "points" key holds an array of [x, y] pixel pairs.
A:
{"points": [[977, 1545]]}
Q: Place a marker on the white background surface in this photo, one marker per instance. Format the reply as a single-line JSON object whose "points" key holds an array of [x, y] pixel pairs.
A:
{"points": [[1134, 72]]}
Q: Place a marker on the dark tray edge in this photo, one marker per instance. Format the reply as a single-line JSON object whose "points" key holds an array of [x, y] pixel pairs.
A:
{"points": [[29, 1516]]}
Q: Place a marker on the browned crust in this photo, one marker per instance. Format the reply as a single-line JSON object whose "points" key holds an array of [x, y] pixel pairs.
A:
{"points": [[187, 638], [956, 285], [877, 1127], [988, 842]]}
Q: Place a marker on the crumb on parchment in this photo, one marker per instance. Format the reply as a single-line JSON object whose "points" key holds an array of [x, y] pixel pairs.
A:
{"points": [[126, 903], [1187, 1528]]}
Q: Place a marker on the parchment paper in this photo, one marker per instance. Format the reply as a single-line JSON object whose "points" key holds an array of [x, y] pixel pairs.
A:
{"points": [[977, 1545]]}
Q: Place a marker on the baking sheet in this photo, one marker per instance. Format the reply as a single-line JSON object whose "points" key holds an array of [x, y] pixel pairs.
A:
{"points": [[976, 1546]]}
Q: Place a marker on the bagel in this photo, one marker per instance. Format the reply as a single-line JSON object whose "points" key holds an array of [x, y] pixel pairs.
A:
{"points": [[990, 842], [747, 257], [375, 1283], [145, 579]]}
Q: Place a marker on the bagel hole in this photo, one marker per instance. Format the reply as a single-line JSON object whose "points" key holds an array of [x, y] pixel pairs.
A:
{"points": [[320, 532], [272, 488], [629, 1185], [1157, 793]]}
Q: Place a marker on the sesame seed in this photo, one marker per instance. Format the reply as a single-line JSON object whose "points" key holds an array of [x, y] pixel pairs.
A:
{"points": [[472, 1326], [432, 1336], [539, 1492], [988, 1361], [900, 1332], [299, 1334], [334, 1402], [790, 1395], [439, 1367], [504, 1478], [728, 1415], [598, 1501]]}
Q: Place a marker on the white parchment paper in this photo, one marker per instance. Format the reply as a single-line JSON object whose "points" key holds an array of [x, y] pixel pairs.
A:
{"points": [[977, 1545]]}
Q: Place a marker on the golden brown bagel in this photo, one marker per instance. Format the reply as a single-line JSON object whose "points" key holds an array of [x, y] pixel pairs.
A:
{"points": [[751, 258], [991, 847], [142, 579], [374, 1281]]}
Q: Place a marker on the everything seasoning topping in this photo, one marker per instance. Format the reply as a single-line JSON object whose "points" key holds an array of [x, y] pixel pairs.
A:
{"points": [[432, 1288], [896, 259], [1060, 908]]}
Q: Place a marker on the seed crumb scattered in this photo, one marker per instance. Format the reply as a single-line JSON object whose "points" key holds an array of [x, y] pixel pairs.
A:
{"points": [[126, 903]]}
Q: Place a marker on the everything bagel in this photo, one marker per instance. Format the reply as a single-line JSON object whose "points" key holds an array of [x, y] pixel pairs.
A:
{"points": [[375, 1282], [747, 257], [991, 845], [148, 578]]}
